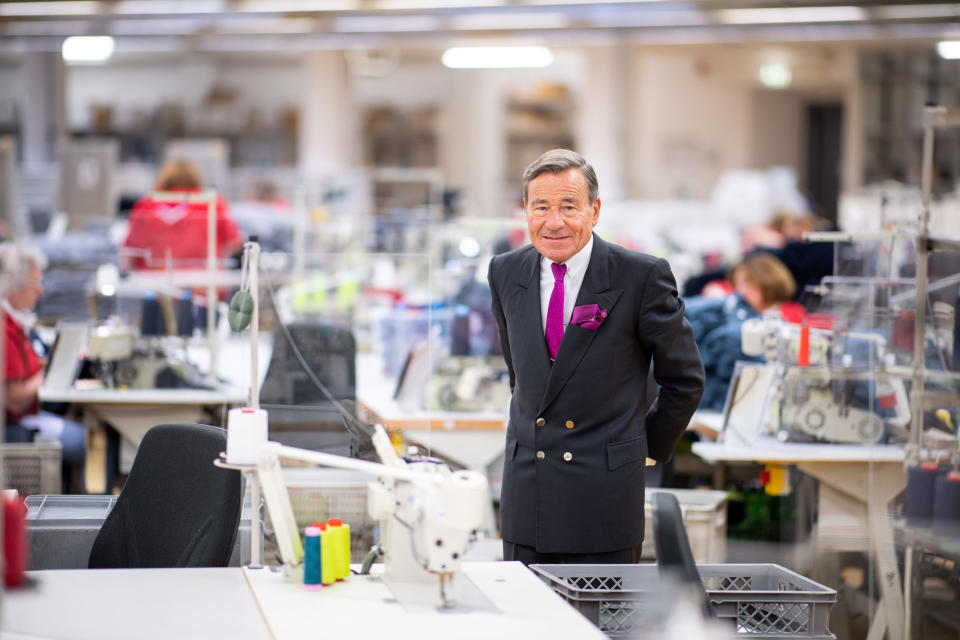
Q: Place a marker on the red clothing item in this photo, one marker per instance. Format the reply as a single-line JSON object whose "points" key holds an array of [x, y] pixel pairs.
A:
{"points": [[21, 361], [181, 228]]}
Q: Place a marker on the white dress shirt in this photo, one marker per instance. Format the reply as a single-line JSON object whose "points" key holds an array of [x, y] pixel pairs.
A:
{"points": [[572, 279]]}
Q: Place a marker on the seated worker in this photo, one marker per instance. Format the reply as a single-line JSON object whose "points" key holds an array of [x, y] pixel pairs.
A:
{"points": [[22, 267], [178, 229], [761, 283]]}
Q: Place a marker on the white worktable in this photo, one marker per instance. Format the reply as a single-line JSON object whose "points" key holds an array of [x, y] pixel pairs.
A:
{"points": [[149, 604], [133, 412], [191, 397], [788, 453], [364, 606], [103, 604]]}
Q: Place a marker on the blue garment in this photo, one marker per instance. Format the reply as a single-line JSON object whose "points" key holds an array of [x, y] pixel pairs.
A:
{"points": [[716, 328]]}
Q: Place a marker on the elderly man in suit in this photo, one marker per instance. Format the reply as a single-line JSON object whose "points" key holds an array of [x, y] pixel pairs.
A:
{"points": [[581, 321]]}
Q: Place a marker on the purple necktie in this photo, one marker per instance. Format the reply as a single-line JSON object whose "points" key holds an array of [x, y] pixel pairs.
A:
{"points": [[554, 330]]}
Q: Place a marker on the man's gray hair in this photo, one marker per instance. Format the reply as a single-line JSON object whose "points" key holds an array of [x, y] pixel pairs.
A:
{"points": [[16, 261], [558, 161]]}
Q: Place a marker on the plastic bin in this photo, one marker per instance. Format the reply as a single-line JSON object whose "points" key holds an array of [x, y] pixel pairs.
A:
{"points": [[704, 518], [32, 467], [62, 529], [761, 600]]}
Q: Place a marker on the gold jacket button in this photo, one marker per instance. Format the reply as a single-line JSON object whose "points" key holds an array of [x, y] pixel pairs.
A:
{"points": [[541, 455], [541, 422], [567, 456], [568, 424]]}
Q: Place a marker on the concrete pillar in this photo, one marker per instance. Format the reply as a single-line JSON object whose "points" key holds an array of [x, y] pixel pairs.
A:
{"points": [[42, 106], [601, 131], [329, 138], [473, 145]]}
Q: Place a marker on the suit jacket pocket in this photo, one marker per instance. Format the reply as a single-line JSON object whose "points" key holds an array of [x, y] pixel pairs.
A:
{"points": [[625, 451]]}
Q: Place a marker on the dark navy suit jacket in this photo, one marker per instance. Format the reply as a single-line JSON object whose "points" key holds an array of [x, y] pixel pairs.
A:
{"points": [[582, 427]]}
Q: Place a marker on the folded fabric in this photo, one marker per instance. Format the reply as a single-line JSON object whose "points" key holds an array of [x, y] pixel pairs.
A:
{"points": [[588, 316]]}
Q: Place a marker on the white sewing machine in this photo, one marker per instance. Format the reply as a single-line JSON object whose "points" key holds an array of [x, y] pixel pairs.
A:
{"points": [[428, 513], [824, 401]]}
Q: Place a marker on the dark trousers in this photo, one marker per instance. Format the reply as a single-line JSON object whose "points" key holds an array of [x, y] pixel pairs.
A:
{"points": [[529, 555]]}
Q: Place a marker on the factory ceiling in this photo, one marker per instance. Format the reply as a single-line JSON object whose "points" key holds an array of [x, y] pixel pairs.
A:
{"points": [[176, 25]]}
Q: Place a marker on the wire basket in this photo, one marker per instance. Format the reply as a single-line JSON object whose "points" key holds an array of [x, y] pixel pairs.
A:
{"points": [[32, 468], [760, 600]]}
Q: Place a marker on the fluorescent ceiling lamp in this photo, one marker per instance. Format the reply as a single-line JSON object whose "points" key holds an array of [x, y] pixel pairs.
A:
{"points": [[167, 7], [61, 28], [265, 25], [288, 6], [87, 49], [379, 24], [509, 20], [79, 8], [949, 49], [497, 57], [155, 26], [791, 14], [774, 75], [915, 11]]}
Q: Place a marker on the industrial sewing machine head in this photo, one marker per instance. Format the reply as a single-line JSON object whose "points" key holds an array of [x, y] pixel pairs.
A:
{"points": [[822, 390]]}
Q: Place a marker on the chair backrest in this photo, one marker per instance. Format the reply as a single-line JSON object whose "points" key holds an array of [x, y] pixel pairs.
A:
{"points": [[176, 509], [674, 556]]}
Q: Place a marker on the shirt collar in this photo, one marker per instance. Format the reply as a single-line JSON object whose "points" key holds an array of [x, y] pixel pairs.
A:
{"points": [[578, 262], [26, 319]]}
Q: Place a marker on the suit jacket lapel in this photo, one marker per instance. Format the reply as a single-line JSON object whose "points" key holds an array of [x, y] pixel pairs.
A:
{"points": [[531, 343], [576, 340]]}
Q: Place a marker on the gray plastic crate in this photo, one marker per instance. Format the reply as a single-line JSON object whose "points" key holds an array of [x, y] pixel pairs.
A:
{"points": [[61, 530], [763, 600], [31, 467]]}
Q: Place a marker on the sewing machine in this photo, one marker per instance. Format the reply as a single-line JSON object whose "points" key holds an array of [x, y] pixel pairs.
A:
{"points": [[122, 359], [468, 383], [829, 398], [428, 513]]}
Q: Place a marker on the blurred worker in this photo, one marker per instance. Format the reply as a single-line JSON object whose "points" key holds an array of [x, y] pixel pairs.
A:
{"points": [[580, 322], [22, 267], [159, 230], [761, 283]]}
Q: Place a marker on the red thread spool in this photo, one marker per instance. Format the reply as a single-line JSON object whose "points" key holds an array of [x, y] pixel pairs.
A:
{"points": [[14, 540], [803, 353]]}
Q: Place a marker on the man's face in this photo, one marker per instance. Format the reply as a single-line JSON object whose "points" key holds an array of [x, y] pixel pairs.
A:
{"points": [[560, 215], [25, 298]]}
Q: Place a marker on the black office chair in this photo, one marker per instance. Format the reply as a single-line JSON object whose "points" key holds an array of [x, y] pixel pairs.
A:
{"points": [[674, 556], [176, 509]]}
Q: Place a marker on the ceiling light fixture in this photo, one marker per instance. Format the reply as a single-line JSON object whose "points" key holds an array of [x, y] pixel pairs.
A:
{"points": [[497, 57], [87, 49], [775, 75], [791, 14], [61, 8], [949, 49]]}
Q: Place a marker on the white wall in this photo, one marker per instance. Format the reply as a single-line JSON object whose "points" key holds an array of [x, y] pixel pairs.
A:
{"points": [[777, 135], [694, 113]]}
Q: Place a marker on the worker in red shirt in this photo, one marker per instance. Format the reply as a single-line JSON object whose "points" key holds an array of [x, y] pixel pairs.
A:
{"points": [[22, 267], [160, 229]]}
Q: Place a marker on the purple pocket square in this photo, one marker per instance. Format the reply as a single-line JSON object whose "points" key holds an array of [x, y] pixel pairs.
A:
{"points": [[588, 316]]}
